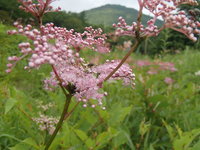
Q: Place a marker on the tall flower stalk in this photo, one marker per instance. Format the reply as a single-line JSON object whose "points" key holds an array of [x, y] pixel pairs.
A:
{"points": [[60, 48]]}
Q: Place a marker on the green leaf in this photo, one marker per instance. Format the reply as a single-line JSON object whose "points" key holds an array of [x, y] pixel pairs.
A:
{"points": [[196, 146], [10, 103], [118, 114], [31, 142], [84, 138], [119, 139], [151, 147], [185, 140], [144, 128], [105, 137], [87, 115], [130, 142], [10, 136], [20, 146], [23, 145], [170, 131]]}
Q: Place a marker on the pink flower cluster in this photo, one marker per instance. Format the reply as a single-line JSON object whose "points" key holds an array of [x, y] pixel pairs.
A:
{"points": [[51, 44], [45, 122], [168, 80], [130, 30], [155, 67], [172, 17], [124, 72], [37, 9], [85, 82]]}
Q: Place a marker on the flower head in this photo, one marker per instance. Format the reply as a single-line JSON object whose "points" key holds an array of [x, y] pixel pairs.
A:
{"points": [[38, 8], [168, 80], [172, 17], [85, 82]]}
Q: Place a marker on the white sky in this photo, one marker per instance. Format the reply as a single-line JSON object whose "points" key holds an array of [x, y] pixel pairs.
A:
{"points": [[80, 5]]}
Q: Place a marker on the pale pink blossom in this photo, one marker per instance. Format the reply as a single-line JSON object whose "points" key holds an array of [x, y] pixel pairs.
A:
{"points": [[85, 82], [166, 9], [38, 8], [168, 80]]}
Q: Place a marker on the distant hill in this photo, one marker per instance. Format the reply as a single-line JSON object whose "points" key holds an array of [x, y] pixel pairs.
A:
{"points": [[109, 14]]}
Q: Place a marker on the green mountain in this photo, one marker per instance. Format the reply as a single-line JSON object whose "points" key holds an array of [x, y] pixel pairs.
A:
{"points": [[108, 14]]}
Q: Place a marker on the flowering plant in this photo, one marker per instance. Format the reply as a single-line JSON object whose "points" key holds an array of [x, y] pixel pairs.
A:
{"points": [[60, 48]]}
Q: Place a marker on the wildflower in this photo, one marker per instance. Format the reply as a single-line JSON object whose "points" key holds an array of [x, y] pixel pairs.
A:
{"points": [[127, 44], [85, 82], [166, 66], [46, 123], [171, 16], [142, 63], [152, 71], [168, 80]]}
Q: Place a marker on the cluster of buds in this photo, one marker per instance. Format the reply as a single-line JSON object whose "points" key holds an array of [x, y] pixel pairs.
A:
{"points": [[43, 106], [46, 123], [39, 8], [171, 16], [124, 72], [51, 44], [131, 30]]}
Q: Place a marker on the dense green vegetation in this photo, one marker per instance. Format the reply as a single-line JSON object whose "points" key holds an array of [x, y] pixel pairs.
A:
{"points": [[152, 116]]}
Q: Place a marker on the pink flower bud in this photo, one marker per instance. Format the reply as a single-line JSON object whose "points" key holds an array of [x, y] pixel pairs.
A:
{"points": [[8, 70], [31, 64], [9, 65]]}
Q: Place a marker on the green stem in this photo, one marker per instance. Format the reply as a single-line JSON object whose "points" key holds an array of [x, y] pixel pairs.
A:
{"points": [[59, 125], [72, 110]]}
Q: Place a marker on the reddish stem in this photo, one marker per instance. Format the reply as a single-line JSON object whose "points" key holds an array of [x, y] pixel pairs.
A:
{"points": [[137, 43]]}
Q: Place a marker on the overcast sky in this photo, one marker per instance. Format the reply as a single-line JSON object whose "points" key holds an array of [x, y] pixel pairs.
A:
{"points": [[80, 5]]}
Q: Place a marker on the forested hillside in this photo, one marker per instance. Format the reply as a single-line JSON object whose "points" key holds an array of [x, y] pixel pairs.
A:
{"points": [[109, 14]]}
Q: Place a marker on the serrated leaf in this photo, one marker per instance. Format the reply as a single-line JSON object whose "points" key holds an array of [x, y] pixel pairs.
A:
{"points": [[31, 142], [84, 138], [121, 138], [10, 103], [185, 140], [19, 146], [103, 138], [118, 114]]}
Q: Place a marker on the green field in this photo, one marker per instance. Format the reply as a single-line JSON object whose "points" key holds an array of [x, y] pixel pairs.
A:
{"points": [[152, 116]]}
